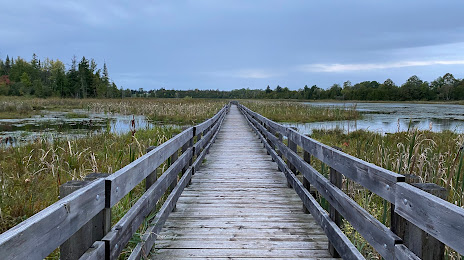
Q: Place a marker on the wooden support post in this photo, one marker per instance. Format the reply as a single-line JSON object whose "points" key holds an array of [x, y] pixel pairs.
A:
{"points": [[279, 136], [184, 148], [292, 145], [268, 128], [306, 184], [335, 179], [272, 131], [173, 158], [152, 177], [94, 230], [418, 241], [397, 223]]}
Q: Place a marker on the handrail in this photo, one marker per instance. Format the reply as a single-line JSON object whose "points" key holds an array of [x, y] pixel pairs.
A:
{"points": [[39, 235], [437, 217]]}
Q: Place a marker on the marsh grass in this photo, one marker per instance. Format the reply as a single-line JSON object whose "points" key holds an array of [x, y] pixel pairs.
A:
{"points": [[285, 111], [31, 174], [434, 157], [179, 111]]}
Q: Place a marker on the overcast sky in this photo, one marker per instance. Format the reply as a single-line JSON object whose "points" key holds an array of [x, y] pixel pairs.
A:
{"points": [[222, 44]]}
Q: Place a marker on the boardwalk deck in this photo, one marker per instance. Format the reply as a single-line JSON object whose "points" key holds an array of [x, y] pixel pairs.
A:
{"points": [[239, 206]]}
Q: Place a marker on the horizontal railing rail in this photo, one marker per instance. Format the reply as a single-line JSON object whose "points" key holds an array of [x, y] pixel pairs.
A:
{"points": [[435, 216], [38, 236]]}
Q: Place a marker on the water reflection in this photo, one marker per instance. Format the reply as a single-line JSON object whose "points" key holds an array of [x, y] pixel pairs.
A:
{"points": [[54, 124], [393, 117]]}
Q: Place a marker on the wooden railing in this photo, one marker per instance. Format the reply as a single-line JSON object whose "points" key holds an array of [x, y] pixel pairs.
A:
{"points": [[41, 234], [430, 214]]}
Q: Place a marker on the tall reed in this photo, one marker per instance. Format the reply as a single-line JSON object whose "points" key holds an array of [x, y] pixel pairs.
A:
{"points": [[284, 111]]}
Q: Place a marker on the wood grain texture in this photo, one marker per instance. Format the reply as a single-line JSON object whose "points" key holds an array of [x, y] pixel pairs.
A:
{"points": [[124, 180], [439, 218], [238, 206], [95, 252], [122, 232], [403, 253], [39, 235]]}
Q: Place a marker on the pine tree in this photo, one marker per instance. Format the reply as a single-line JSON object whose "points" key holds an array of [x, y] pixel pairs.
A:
{"points": [[7, 65], [83, 76]]}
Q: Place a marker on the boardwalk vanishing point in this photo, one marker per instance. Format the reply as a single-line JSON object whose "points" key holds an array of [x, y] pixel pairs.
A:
{"points": [[239, 206]]}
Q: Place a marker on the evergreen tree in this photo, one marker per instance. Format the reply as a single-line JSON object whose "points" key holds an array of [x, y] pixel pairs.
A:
{"points": [[7, 67]]}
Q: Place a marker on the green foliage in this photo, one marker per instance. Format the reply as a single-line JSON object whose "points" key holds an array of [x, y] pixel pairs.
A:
{"points": [[50, 78]]}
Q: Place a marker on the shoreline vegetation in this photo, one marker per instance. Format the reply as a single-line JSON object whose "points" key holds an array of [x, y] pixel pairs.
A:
{"points": [[83, 79]]}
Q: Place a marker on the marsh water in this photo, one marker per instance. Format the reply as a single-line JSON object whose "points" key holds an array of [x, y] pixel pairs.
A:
{"points": [[378, 117], [56, 124], [392, 117]]}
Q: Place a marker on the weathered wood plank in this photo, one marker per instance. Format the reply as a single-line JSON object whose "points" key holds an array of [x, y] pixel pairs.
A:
{"points": [[150, 235], [124, 180], [39, 235], [376, 179], [121, 233], [298, 245], [403, 253], [439, 218], [95, 252], [224, 252]]}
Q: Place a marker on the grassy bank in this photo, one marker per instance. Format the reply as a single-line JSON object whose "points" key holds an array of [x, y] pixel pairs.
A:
{"points": [[282, 111]]}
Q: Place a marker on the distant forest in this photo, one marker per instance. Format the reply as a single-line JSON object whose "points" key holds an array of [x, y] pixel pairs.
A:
{"points": [[83, 79], [47, 78]]}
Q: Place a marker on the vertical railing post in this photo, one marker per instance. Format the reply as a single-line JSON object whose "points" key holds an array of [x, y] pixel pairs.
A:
{"points": [[190, 144], [398, 223], [336, 179], [306, 184], [153, 176], [418, 241], [94, 230], [292, 145], [172, 160], [268, 128], [280, 137], [273, 132]]}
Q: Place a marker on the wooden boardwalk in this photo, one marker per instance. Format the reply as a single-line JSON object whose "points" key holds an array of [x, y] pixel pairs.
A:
{"points": [[239, 206]]}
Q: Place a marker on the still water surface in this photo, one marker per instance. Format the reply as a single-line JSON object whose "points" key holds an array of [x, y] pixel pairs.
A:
{"points": [[53, 124], [393, 117]]}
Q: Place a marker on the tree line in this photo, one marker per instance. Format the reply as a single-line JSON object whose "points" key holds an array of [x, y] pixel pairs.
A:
{"points": [[84, 79], [47, 78], [444, 88]]}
